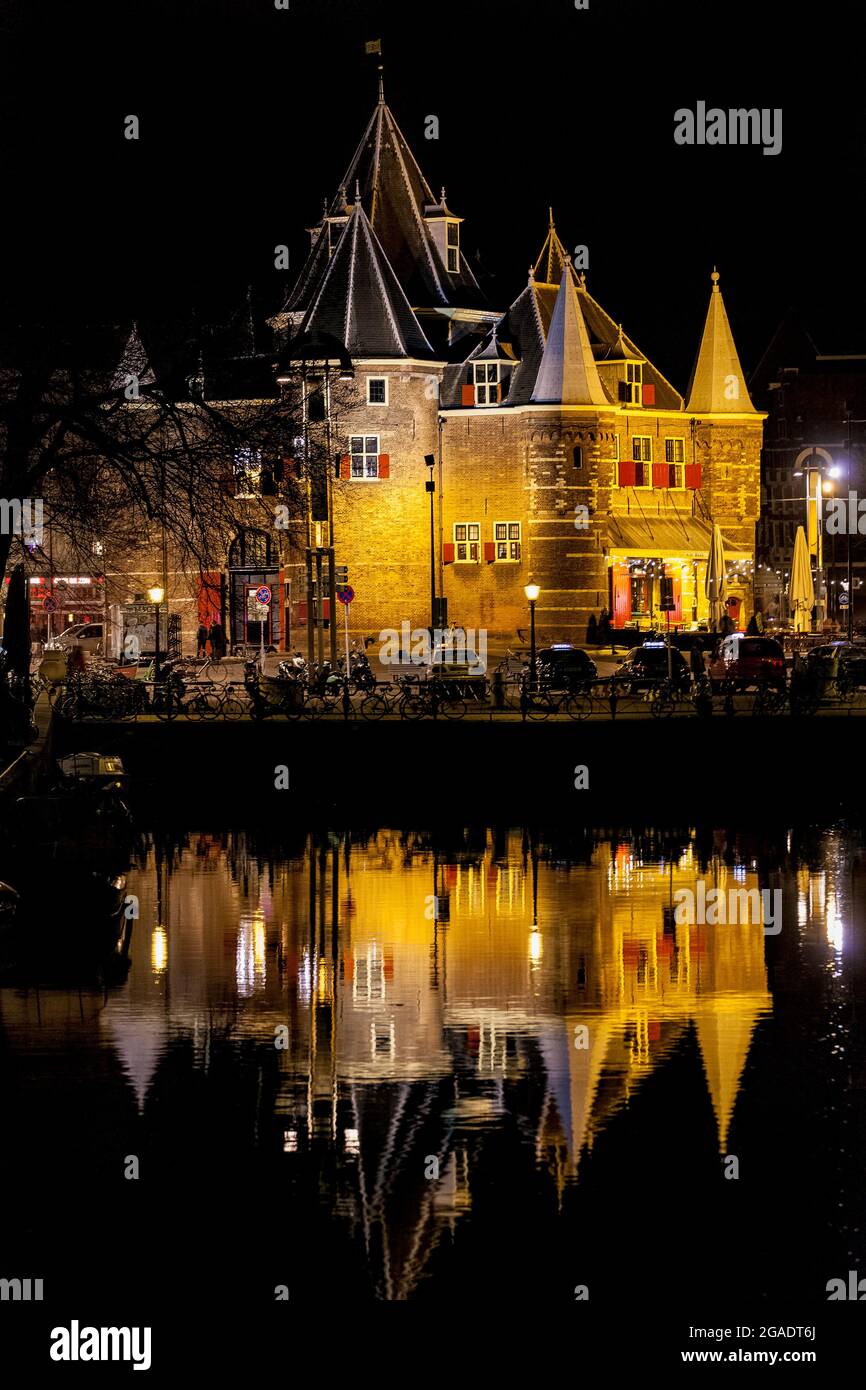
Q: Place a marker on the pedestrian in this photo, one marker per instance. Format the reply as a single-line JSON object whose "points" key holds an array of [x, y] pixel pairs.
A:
{"points": [[604, 634], [201, 640], [592, 631], [697, 661], [726, 626], [217, 641]]}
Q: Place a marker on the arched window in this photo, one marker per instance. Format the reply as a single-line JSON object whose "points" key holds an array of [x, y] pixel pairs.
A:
{"points": [[577, 455], [250, 549]]}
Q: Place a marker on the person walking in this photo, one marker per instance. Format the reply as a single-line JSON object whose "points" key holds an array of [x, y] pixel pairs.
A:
{"points": [[201, 640], [592, 631], [604, 637], [217, 641]]}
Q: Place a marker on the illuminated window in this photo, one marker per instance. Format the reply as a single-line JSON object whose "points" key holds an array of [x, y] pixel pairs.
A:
{"points": [[467, 540], [507, 539], [453, 247], [377, 390], [364, 450], [675, 453], [632, 386], [486, 383], [248, 472], [642, 457]]}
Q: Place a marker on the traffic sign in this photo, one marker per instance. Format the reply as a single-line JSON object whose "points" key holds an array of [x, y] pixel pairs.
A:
{"points": [[49, 604], [341, 574], [263, 595], [346, 595], [843, 599]]}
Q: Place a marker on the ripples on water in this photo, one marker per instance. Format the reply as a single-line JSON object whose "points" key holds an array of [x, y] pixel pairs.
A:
{"points": [[434, 996]]}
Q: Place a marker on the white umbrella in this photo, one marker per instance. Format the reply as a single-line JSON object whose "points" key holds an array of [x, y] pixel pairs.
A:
{"points": [[715, 583], [801, 590]]}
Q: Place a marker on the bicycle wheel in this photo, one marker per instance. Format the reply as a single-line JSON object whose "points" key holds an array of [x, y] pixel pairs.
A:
{"points": [[232, 708], [540, 706], [374, 707], [315, 707], [411, 707], [577, 706], [452, 709]]}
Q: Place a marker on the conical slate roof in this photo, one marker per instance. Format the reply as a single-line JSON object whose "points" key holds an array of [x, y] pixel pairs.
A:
{"points": [[360, 300], [568, 374], [718, 385], [395, 195], [550, 262]]}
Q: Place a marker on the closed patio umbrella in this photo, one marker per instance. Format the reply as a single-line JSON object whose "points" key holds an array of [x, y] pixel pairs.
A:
{"points": [[16, 625], [801, 590], [715, 583]]}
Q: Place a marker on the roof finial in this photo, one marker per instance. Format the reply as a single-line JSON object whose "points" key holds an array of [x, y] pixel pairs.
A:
{"points": [[357, 191], [581, 280], [531, 274], [442, 195], [715, 279], [381, 86], [550, 216]]}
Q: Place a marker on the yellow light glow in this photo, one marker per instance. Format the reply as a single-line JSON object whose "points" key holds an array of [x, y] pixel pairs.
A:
{"points": [[156, 594], [159, 950], [532, 591], [536, 948]]}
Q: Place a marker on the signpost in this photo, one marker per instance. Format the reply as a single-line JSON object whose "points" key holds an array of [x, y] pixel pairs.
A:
{"points": [[263, 601], [345, 595]]}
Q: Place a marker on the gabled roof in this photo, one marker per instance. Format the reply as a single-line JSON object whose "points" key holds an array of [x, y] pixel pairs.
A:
{"points": [[360, 300], [567, 374], [717, 383], [395, 195]]}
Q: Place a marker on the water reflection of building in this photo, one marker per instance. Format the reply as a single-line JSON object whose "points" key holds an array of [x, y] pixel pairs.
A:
{"points": [[431, 998]]}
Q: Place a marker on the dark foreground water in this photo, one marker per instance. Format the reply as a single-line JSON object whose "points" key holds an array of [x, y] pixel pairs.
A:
{"points": [[485, 1066]]}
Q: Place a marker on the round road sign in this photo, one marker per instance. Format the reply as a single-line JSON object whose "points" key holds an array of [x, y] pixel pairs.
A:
{"points": [[263, 595], [346, 595], [49, 604]]}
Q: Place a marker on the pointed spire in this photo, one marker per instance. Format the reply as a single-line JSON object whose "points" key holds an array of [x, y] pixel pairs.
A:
{"points": [[568, 374], [551, 258], [381, 85], [718, 385]]}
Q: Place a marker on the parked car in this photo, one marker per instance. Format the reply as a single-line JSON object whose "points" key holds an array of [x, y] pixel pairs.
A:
{"points": [[748, 661], [647, 666], [564, 667], [87, 636], [844, 662]]}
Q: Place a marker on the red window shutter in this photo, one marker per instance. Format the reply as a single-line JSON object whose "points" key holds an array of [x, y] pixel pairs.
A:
{"points": [[621, 595], [693, 475], [345, 466], [648, 395], [326, 609], [384, 465], [489, 551], [467, 396], [448, 553], [661, 475], [302, 612], [627, 473]]}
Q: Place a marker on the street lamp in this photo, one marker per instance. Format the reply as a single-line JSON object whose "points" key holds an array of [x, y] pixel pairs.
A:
{"points": [[156, 596], [532, 590]]}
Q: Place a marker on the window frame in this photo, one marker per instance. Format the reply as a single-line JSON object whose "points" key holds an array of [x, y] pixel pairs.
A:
{"points": [[634, 382], [468, 541], [645, 461], [248, 472], [509, 542], [364, 476], [384, 380], [487, 366]]}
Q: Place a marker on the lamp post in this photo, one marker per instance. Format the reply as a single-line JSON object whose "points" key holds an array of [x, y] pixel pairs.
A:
{"points": [[156, 596], [430, 486], [532, 591]]}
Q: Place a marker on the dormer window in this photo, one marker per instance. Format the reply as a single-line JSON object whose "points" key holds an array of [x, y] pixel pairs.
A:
{"points": [[486, 383], [453, 246], [632, 386]]}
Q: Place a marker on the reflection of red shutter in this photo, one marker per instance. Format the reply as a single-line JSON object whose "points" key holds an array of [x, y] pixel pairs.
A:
{"points": [[621, 595], [280, 611], [648, 395], [467, 395], [326, 609], [661, 475], [675, 575], [384, 465], [209, 593], [489, 551], [345, 466], [626, 473], [693, 475], [302, 612], [448, 553]]}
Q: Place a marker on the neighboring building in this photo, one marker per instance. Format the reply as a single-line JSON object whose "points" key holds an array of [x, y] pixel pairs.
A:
{"points": [[813, 401]]}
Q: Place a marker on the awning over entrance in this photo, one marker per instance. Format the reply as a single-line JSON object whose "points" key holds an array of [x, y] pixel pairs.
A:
{"points": [[656, 536]]}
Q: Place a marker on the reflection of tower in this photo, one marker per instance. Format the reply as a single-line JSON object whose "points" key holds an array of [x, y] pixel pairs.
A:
{"points": [[322, 1094]]}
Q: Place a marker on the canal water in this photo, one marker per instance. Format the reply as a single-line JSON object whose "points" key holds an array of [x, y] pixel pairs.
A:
{"points": [[486, 1064]]}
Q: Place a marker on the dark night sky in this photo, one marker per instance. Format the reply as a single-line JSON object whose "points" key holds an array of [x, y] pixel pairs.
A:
{"points": [[249, 116]]}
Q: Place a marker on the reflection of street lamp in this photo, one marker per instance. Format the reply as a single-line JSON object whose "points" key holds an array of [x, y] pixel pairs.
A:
{"points": [[532, 591], [430, 486], [814, 538], [156, 596]]}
